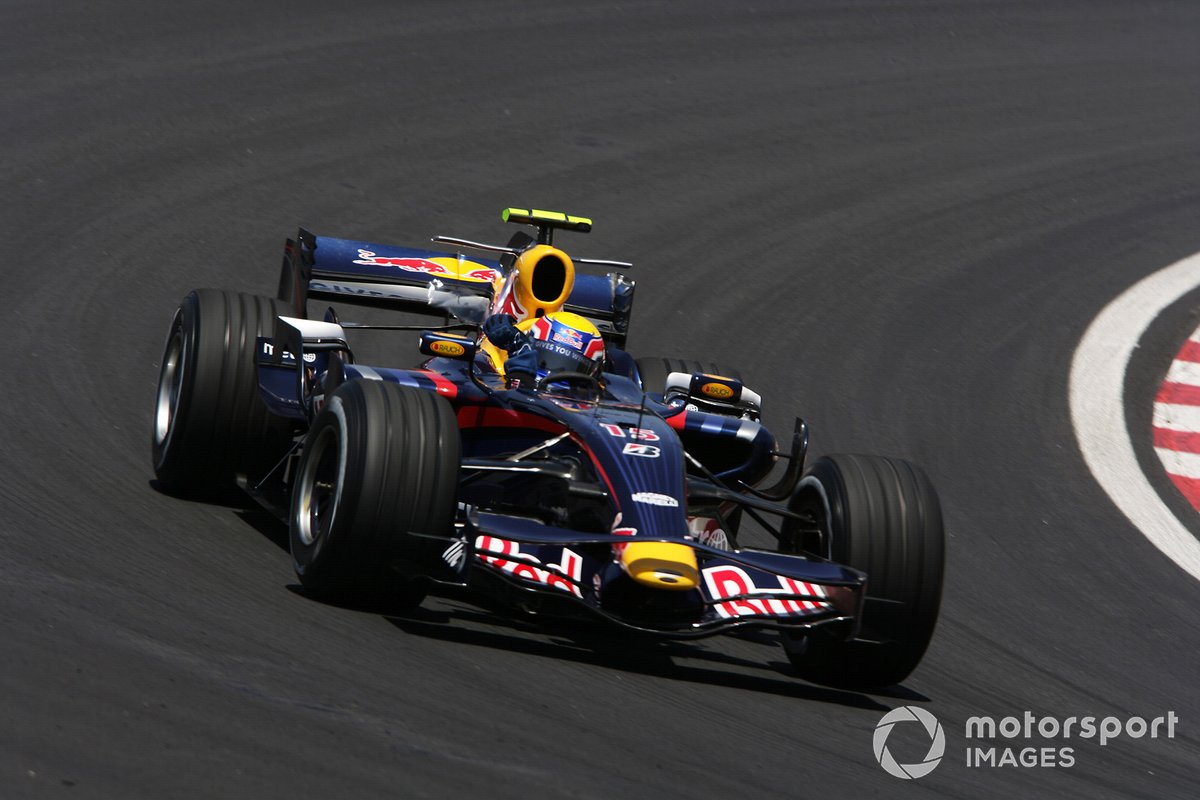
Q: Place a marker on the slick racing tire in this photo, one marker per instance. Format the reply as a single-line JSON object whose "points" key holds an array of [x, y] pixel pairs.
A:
{"points": [[378, 477], [209, 423], [654, 371], [881, 516]]}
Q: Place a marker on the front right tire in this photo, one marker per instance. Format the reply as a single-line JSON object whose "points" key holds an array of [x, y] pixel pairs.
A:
{"points": [[881, 516]]}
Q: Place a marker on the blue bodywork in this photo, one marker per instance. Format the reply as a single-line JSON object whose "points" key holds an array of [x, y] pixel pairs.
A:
{"points": [[627, 448], [556, 483]]}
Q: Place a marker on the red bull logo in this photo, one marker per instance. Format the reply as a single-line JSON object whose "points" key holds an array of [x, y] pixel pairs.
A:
{"points": [[507, 556], [745, 599], [506, 303], [477, 273], [485, 274], [568, 336], [369, 259]]}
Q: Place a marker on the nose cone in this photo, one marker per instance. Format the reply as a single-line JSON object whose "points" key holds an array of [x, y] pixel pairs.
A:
{"points": [[661, 565]]}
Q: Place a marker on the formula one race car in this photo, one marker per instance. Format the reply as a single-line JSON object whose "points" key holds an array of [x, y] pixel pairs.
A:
{"points": [[530, 456]]}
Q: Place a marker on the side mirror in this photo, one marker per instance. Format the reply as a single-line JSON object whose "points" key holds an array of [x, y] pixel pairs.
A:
{"points": [[448, 345], [713, 393]]}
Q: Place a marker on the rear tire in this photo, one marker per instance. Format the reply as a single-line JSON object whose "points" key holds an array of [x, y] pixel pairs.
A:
{"points": [[881, 516], [209, 423], [379, 475]]}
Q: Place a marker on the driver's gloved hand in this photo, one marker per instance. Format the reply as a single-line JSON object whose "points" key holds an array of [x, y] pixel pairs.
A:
{"points": [[521, 366], [501, 330]]}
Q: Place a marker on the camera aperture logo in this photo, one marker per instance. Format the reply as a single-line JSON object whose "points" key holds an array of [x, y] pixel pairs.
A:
{"points": [[1042, 741], [937, 742]]}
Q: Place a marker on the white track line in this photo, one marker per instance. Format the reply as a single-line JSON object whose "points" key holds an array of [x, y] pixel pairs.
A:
{"points": [[1097, 390]]}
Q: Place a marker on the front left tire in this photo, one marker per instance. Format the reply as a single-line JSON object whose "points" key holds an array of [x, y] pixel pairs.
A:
{"points": [[377, 485]]}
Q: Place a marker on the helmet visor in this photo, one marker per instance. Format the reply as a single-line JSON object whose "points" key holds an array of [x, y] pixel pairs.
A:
{"points": [[557, 358]]}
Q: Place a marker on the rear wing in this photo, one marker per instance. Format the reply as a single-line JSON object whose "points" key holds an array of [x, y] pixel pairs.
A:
{"points": [[363, 273], [400, 278]]}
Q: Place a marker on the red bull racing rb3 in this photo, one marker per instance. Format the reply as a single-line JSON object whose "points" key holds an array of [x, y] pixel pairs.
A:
{"points": [[530, 456]]}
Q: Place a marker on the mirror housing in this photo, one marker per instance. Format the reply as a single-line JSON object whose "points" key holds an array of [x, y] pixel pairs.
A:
{"points": [[713, 393], [448, 345]]}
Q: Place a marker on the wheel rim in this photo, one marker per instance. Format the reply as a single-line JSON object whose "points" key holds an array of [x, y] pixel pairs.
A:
{"points": [[318, 489], [813, 503], [170, 381]]}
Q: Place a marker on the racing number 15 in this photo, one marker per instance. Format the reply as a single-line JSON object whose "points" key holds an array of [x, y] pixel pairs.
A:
{"points": [[637, 434]]}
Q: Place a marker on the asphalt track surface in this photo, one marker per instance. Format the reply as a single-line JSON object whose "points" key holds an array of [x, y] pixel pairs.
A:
{"points": [[897, 218]]}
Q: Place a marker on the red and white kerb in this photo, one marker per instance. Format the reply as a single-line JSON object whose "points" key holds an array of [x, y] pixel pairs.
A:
{"points": [[1177, 420]]}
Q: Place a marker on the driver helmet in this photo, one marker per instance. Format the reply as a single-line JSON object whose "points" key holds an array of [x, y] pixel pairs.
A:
{"points": [[565, 342]]}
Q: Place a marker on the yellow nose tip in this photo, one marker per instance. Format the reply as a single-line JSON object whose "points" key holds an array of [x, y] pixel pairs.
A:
{"points": [[662, 565]]}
